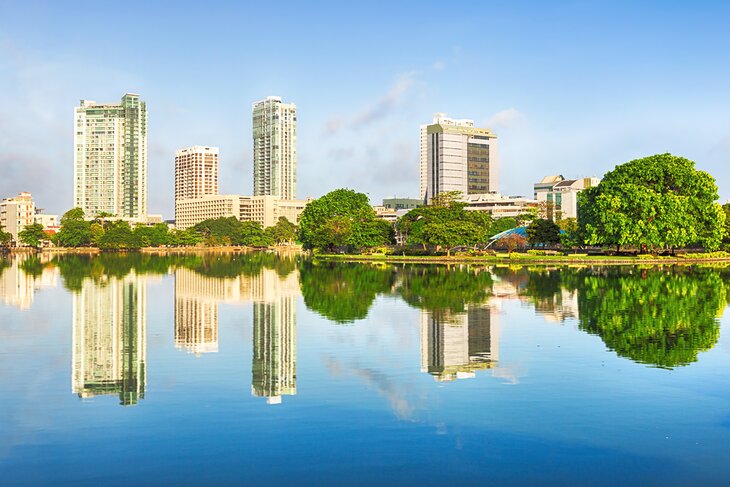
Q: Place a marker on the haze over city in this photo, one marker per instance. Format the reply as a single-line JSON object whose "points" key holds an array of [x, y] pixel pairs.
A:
{"points": [[568, 88]]}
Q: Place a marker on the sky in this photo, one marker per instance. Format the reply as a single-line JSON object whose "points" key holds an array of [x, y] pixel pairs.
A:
{"points": [[569, 87]]}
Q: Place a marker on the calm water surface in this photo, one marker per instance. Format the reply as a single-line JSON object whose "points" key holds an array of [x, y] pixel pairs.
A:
{"points": [[257, 369]]}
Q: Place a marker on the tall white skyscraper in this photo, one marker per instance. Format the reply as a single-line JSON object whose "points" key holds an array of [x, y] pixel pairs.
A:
{"points": [[275, 148], [110, 160], [456, 156]]}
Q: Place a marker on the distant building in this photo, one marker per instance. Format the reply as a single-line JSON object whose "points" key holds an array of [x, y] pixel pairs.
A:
{"points": [[275, 148], [50, 222], [459, 157], [438, 118], [562, 194], [110, 163], [499, 206], [388, 214], [196, 172], [16, 213], [265, 210], [401, 203]]}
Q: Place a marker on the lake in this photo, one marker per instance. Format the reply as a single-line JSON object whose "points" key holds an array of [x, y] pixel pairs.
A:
{"points": [[262, 369]]}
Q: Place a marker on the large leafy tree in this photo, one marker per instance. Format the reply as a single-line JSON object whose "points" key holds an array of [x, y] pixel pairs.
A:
{"points": [[445, 224], [119, 236], [543, 232], [660, 201], [32, 235], [5, 237], [283, 231], [342, 218], [75, 231], [231, 231]]}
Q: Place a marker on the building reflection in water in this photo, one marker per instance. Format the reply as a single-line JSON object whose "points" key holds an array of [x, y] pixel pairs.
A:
{"points": [[18, 286], [274, 367], [456, 345], [109, 338]]}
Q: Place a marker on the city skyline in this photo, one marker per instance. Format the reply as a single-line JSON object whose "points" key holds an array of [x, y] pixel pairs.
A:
{"points": [[579, 98]]}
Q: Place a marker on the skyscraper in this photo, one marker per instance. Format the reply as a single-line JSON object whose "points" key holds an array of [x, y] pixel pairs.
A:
{"points": [[110, 168], [459, 157], [275, 148], [196, 173]]}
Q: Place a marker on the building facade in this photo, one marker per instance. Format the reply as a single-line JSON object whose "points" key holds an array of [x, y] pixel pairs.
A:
{"points": [[460, 157], [196, 173], [562, 194], [499, 206], [438, 118], [275, 148], [16, 213], [110, 160]]}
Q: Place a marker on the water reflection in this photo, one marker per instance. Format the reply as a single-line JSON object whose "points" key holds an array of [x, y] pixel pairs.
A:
{"points": [[109, 338], [662, 317]]}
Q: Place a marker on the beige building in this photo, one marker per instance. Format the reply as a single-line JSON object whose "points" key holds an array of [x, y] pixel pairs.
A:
{"points": [[265, 210], [16, 213], [438, 118], [275, 148], [196, 173], [459, 157], [499, 206], [562, 194]]}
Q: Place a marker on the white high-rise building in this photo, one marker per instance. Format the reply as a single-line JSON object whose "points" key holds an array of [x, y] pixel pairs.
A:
{"points": [[275, 148], [458, 157], [110, 160], [196, 173], [438, 118]]}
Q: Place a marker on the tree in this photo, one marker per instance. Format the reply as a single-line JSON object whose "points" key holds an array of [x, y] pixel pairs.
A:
{"points": [[32, 235], [502, 225], [543, 232], [342, 218], [726, 236], [154, 236], [283, 231], [660, 201], [511, 242], [445, 224], [119, 236], [5, 237], [75, 231], [570, 238]]}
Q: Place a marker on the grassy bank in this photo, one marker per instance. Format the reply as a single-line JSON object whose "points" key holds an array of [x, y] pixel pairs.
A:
{"points": [[519, 258]]}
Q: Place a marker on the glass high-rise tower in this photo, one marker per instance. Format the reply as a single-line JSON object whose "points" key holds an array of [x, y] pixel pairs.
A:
{"points": [[275, 148], [110, 160]]}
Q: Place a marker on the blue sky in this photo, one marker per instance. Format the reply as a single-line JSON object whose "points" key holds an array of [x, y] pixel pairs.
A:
{"points": [[569, 87]]}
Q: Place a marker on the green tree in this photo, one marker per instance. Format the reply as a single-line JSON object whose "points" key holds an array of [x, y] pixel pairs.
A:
{"points": [[341, 219], [502, 225], [283, 231], [726, 236], [5, 237], [32, 235], [660, 201], [119, 236], [543, 232], [154, 236], [445, 224], [75, 231], [571, 237]]}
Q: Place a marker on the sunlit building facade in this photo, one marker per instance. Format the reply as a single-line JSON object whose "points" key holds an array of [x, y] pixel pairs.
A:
{"points": [[196, 173], [275, 148], [110, 161]]}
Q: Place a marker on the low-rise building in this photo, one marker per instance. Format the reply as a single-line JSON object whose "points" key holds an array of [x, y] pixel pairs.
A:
{"points": [[562, 194], [499, 206], [50, 222], [16, 213], [265, 209], [402, 203]]}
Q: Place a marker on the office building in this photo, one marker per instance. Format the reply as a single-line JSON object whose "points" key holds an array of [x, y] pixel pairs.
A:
{"points": [[562, 194], [16, 213], [458, 157], [196, 173], [275, 148], [497, 205], [109, 339], [110, 162]]}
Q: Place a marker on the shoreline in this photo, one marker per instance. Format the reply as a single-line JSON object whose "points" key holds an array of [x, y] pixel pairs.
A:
{"points": [[520, 260]]}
